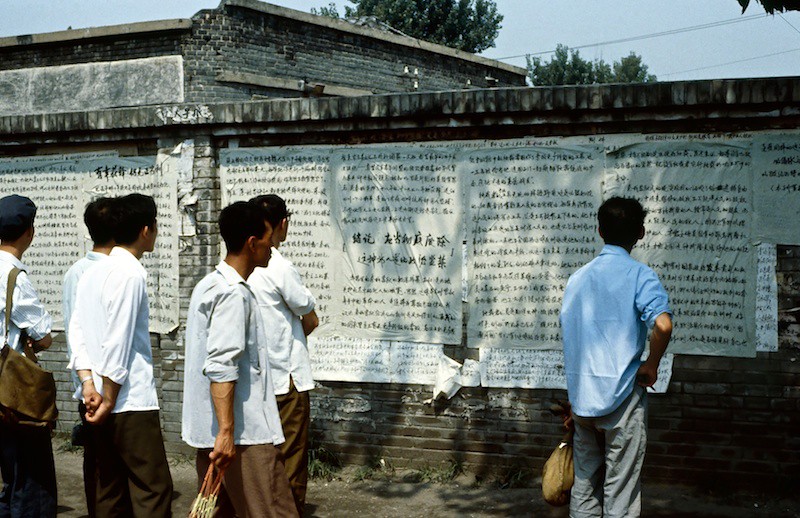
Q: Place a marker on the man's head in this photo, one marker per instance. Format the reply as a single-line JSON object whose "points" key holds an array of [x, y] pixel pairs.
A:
{"points": [[100, 218], [277, 215], [16, 220], [136, 221], [621, 221], [246, 231]]}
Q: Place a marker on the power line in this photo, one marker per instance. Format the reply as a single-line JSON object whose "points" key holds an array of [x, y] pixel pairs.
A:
{"points": [[790, 24], [710, 25], [730, 63]]}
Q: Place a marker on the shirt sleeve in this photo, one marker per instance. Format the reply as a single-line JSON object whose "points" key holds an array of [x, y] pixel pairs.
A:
{"points": [[70, 290], [226, 337], [28, 312], [123, 305], [296, 296], [651, 298], [78, 357]]}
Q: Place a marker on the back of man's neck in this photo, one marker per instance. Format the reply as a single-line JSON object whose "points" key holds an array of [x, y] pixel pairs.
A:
{"points": [[12, 249]]}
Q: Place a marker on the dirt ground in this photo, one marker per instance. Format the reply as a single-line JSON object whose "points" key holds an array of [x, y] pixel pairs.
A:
{"points": [[461, 498]]}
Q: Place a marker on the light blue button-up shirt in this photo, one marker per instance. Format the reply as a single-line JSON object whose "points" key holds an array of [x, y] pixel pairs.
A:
{"points": [[609, 304], [225, 342]]}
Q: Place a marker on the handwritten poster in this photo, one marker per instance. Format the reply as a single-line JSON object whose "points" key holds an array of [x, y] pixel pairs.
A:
{"points": [[147, 175], [522, 368], [348, 359], [53, 185], [767, 299], [301, 177], [531, 221], [526, 368], [699, 202], [776, 162], [398, 213]]}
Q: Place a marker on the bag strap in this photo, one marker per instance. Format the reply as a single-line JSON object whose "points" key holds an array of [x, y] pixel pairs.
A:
{"points": [[10, 285]]}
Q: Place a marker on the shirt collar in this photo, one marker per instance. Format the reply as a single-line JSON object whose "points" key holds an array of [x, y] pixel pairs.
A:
{"points": [[230, 274], [614, 250], [128, 257], [9, 258], [95, 256]]}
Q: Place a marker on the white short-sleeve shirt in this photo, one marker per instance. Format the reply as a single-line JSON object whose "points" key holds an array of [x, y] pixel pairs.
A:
{"points": [[283, 299]]}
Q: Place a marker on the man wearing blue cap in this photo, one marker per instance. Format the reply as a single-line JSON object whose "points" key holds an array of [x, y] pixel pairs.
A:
{"points": [[26, 455]]}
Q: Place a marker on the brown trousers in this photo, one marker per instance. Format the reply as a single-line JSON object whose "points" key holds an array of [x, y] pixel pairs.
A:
{"points": [[133, 477], [295, 410], [255, 484]]}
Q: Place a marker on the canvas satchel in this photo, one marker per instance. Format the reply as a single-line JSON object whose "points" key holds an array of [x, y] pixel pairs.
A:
{"points": [[27, 392], [558, 474]]}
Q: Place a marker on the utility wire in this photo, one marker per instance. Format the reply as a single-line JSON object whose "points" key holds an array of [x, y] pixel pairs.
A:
{"points": [[730, 62], [647, 36], [790, 24]]}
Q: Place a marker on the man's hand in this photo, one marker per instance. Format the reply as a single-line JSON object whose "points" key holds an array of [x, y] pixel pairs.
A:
{"points": [[224, 450], [647, 375], [107, 403], [91, 398], [100, 415]]}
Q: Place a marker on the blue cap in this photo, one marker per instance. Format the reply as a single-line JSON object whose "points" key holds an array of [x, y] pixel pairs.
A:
{"points": [[16, 212]]}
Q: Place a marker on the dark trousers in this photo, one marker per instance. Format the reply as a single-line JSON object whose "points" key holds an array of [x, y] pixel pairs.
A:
{"points": [[133, 476], [295, 410], [29, 473], [89, 463]]}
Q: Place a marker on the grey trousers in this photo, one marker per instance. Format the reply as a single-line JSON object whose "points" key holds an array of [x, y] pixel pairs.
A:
{"points": [[608, 455]]}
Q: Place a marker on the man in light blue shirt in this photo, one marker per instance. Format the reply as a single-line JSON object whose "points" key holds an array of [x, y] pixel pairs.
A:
{"points": [[608, 306], [229, 410]]}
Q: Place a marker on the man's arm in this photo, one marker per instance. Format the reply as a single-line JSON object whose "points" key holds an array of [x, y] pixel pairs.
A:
{"points": [[117, 343], [224, 447], [659, 339], [42, 343], [310, 322]]}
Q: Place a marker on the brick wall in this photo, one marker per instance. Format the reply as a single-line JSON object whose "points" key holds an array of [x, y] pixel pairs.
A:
{"points": [[731, 421], [237, 39]]}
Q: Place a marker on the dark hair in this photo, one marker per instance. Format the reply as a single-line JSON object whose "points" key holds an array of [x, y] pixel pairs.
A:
{"points": [[621, 221], [274, 207], [134, 212], [238, 221], [100, 218]]}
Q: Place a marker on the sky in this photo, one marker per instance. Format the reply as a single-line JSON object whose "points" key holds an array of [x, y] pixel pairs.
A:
{"points": [[728, 44]]}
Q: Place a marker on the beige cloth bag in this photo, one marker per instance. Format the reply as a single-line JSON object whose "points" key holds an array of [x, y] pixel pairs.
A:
{"points": [[558, 474]]}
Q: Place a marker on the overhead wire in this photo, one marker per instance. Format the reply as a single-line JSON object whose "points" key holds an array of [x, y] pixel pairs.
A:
{"points": [[671, 32], [730, 62]]}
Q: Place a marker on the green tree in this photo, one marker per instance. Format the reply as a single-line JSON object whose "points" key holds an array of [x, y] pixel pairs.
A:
{"points": [[630, 69], [774, 5], [469, 25], [567, 67]]}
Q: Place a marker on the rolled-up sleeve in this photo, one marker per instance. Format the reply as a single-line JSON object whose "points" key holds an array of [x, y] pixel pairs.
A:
{"points": [[28, 312], [651, 298], [123, 307], [295, 294], [226, 337]]}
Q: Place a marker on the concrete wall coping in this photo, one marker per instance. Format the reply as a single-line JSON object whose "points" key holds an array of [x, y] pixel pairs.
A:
{"points": [[345, 26], [97, 32], [769, 97]]}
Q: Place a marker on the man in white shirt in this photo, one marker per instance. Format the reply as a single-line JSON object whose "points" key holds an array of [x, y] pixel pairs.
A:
{"points": [[287, 308], [229, 409], [26, 454], [99, 220], [111, 343]]}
